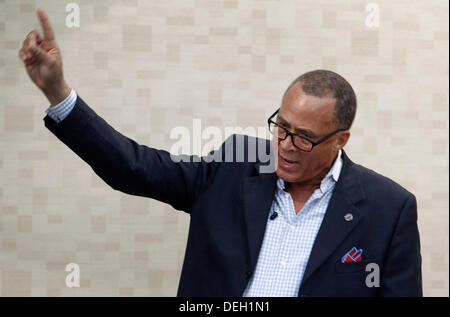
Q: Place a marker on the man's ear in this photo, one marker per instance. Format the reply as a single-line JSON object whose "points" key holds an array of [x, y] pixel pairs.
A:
{"points": [[341, 140]]}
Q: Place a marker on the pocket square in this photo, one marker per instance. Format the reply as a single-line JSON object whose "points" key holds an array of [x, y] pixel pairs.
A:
{"points": [[354, 255]]}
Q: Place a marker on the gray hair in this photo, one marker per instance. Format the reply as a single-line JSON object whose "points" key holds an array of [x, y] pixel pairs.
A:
{"points": [[321, 83]]}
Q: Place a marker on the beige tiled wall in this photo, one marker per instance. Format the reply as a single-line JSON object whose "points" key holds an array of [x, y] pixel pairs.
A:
{"points": [[149, 66]]}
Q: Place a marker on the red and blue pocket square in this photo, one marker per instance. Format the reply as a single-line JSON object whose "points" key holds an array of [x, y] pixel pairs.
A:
{"points": [[354, 255]]}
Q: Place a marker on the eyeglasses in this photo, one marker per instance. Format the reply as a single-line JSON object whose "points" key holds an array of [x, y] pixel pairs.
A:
{"points": [[300, 142]]}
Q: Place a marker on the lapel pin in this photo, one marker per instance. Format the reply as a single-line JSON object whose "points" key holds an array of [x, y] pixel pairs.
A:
{"points": [[348, 217]]}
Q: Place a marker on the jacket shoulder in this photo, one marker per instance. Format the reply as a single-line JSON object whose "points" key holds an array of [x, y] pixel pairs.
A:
{"points": [[374, 181]]}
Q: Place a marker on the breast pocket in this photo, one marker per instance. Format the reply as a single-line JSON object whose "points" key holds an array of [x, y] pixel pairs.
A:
{"points": [[352, 267]]}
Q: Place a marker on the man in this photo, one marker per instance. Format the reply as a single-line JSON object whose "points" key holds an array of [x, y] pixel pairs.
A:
{"points": [[310, 228]]}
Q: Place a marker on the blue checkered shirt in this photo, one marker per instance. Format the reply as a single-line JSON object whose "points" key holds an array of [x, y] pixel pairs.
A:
{"points": [[60, 111], [288, 238]]}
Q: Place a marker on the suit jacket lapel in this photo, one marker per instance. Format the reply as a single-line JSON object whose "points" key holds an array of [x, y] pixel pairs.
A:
{"points": [[334, 228], [258, 193]]}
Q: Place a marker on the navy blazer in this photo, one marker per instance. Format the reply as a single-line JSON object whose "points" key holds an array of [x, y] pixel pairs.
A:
{"points": [[229, 204]]}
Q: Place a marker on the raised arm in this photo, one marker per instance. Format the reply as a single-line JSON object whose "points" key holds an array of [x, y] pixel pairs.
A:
{"points": [[121, 162], [128, 166]]}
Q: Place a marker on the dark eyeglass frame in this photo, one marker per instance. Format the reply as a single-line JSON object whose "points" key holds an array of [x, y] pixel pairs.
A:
{"points": [[288, 133]]}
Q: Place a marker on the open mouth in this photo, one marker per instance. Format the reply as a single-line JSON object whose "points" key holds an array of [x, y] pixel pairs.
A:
{"points": [[286, 161]]}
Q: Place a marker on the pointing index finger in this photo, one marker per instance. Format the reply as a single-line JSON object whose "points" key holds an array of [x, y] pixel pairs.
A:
{"points": [[48, 32]]}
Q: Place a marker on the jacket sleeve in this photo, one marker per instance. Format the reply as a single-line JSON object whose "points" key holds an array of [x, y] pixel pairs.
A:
{"points": [[401, 274], [130, 167]]}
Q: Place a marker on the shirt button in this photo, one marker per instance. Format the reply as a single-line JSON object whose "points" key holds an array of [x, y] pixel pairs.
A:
{"points": [[292, 227], [283, 263]]}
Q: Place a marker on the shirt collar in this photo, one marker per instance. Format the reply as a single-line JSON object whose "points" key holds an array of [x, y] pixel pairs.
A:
{"points": [[337, 167], [334, 172]]}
